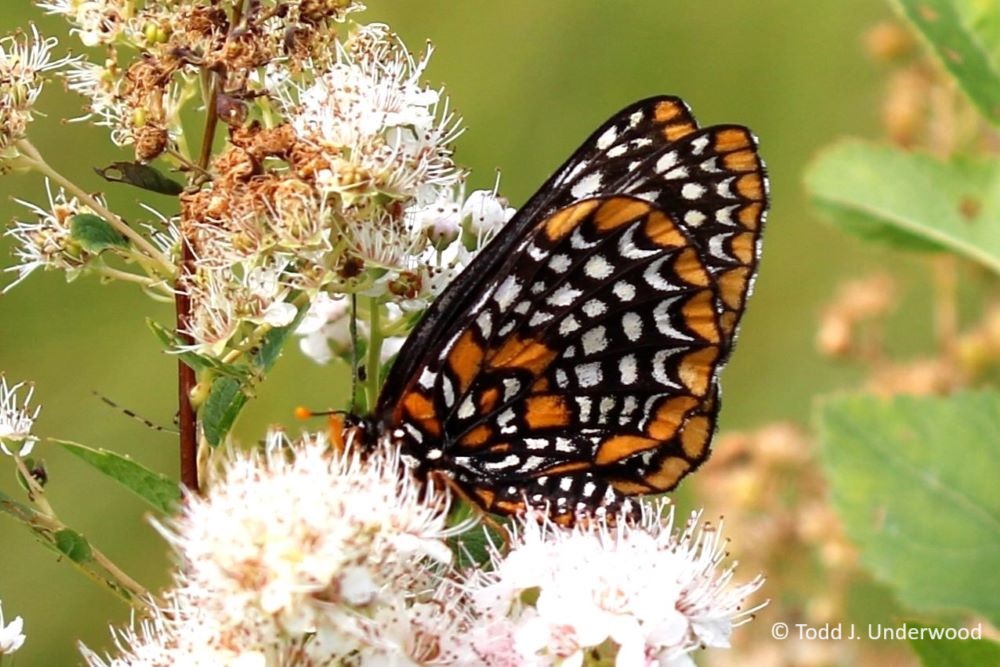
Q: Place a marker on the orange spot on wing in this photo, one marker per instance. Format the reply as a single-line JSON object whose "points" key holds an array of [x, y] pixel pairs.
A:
{"points": [[542, 384], [545, 411], [697, 368], [678, 130], [565, 468], [733, 285], [689, 267], [742, 247], [565, 220], [488, 400], [529, 354], [727, 322], [694, 437], [421, 409], [465, 359], [731, 139], [750, 186], [485, 497], [477, 436], [630, 488], [620, 446], [699, 315], [750, 215], [619, 211], [507, 506], [745, 160], [668, 474], [662, 231], [667, 111], [669, 417]]}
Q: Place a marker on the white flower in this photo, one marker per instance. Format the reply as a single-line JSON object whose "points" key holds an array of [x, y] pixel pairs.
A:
{"points": [[48, 243], [651, 593], [325, 328], [486, 212], [381, 130], [23, 60], [302, 541], [97, 21], [16, 421], [11, 635]]}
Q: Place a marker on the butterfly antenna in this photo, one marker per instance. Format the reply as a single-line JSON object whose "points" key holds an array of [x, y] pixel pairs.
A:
{"points": [[132, 415]]}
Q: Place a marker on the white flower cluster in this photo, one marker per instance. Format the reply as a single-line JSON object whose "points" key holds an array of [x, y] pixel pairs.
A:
{"points": [[308, 556], [16, 418], [23, 61], [637, 592], [297, 556]]}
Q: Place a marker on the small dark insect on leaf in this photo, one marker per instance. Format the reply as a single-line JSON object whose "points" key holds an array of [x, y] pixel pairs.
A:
{"points": [[141, 176]]}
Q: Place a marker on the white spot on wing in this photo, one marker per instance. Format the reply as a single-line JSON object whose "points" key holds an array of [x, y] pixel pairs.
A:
{"points": [[506, 292], [632, 326], [666, 161], [564, 296], [568, 326], [598, 268], [608, 138], [588, 375], [595, 340], [586, 186], [661, 315], [627, 370], [692, 191], [694, 218], [624, 291], [560, 263]]}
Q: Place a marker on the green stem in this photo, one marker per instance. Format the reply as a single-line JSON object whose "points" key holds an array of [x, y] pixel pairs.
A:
{"points": [[374, 354], [39, 163]]}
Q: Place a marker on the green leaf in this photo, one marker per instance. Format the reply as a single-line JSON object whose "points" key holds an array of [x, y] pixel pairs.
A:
{"points": [[94, 234], [161, 492], [911, 200], [73, 545], [196, 361], [960, 50], [141, 176], [914, 481], [936, 650], [228, 395]]}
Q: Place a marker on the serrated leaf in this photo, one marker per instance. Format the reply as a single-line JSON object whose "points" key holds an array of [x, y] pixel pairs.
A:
{"points": [[94, 234], [914, 481], [959, 49], [73, 545], [936, 651], [911, 200], [161, 492], [227, 396], [141, 176]]}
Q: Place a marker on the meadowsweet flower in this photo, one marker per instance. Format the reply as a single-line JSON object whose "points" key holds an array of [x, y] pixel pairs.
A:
{"points": [[325, 329], [48, 243], [486, 212], [23, 60], [95, 21], [301, 546], [11, 634], [649, 593], [16, 420]]}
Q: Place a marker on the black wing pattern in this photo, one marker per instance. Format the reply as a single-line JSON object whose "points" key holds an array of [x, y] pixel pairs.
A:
{"points": [[576, 360]]}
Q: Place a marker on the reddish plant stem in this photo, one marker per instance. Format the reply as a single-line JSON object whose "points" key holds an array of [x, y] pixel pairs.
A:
{"points": [[186, 417]]}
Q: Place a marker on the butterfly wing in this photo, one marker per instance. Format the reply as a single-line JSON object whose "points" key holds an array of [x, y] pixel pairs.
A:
{"points": [[576, 359]]}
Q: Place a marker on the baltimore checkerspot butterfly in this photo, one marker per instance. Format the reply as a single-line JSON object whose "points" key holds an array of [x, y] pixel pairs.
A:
{"points": [[575, 362]]}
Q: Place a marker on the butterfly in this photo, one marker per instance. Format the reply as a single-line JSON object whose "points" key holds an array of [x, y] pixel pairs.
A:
{"points": [[575, 362]]}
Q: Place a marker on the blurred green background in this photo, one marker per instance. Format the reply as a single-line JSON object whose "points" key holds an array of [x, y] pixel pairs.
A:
{"points": [[531, 79]]}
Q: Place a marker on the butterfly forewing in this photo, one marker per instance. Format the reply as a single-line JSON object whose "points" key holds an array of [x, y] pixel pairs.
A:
{"points": [[576, 360]]}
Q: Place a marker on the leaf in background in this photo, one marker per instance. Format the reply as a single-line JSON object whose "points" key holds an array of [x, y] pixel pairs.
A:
{"points": [[94, 234], [911, 200], [228, 396], [161, 492], [196, 361], [73, 545], [141, 176], [954, 652], [961, 51], [914, 481]]}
